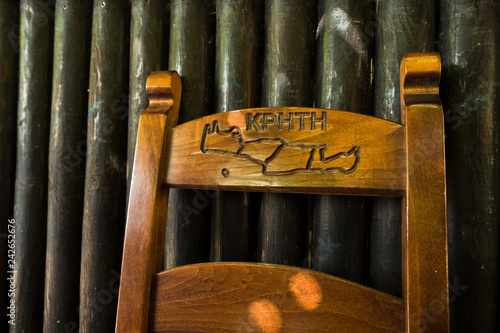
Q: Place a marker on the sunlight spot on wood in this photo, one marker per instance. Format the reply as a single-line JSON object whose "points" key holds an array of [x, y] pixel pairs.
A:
{"points": [[266, 315], [306, 290]]}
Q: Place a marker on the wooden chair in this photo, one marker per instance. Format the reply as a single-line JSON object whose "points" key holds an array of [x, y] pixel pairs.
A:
{"points": [[290, 149]]}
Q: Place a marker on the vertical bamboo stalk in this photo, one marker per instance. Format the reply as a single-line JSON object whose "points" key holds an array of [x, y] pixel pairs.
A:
{"points": [[288, 81], [30, 210], [470, 49], [343, 58], [192, 55], [148, 53], [67, 164], [402, 27], [105, 183], [237, 80], [9, 67]]}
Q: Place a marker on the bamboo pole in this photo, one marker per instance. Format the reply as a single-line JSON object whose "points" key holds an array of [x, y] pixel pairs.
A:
{"points": [[192, 55], [470, 89], [68, 130], [9, 66], [402, 27], [105, 183], [288, 81], [343, 82], [30, 212], [237, 81], [148, 53]]}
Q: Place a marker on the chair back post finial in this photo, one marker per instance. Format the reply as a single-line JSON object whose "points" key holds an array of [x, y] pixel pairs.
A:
{"points": [[147, 208], [424, 231]]}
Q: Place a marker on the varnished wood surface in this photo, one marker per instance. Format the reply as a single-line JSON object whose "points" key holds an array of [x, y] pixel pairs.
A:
{"points": [[147, 209], [424, 230], [404, 160], [381, 154], [248, 297]]}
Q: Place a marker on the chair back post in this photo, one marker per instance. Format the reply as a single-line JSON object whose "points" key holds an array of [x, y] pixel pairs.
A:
{"points": [[147, 209], [424, 231]]}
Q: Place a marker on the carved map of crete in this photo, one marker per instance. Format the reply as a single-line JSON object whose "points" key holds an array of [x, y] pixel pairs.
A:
{"points": [[273, 154]]}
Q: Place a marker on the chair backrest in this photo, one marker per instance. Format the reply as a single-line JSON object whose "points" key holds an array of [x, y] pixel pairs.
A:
{"points": [[302, 150]]}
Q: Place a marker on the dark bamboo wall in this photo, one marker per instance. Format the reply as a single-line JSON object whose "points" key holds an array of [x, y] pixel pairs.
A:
{"points": [[192, 55], [470, 47], [239, 48], [67, 144], [65, 161], [402, 27], [33, 118], [342, 82], [9, 62]]}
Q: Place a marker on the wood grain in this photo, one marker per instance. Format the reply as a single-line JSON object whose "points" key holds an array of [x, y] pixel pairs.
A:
{"points": [[403, 160], [424, 230], [267, 298], [147, 209], [381, 154]]}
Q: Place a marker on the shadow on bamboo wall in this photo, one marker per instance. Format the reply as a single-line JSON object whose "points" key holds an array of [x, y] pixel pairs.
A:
{"points": [[65, 159]]}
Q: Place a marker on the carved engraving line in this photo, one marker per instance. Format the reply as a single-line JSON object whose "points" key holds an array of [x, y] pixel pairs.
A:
{"points": [[312, 150]]}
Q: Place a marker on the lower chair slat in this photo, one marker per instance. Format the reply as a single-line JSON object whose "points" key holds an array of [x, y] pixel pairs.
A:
{"points": [[251, 297]]}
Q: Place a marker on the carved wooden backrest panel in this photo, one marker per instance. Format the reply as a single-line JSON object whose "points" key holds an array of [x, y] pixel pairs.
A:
{"points": [[295, 150], [289, 149]]}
